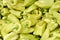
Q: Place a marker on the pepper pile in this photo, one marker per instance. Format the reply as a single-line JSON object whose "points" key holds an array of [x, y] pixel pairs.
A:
{"points": [[29, 19]]}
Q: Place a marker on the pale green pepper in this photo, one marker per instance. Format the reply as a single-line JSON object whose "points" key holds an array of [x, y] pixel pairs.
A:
{"points": [[44, 3], [39, 28], [10, 36], [28, 2], [27, 37]]}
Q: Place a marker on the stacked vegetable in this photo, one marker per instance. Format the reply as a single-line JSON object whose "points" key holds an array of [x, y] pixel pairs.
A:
{"points": [[29, 19]]}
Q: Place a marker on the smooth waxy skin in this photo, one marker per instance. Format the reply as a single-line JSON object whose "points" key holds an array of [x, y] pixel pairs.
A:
{"points": [[29, 19]]}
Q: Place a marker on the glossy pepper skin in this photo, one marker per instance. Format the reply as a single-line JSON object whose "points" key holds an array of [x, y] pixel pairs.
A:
{"points": [[30, 19]]}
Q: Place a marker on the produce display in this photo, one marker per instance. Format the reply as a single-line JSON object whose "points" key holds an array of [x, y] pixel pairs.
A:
{"points": [[29, 19]]}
